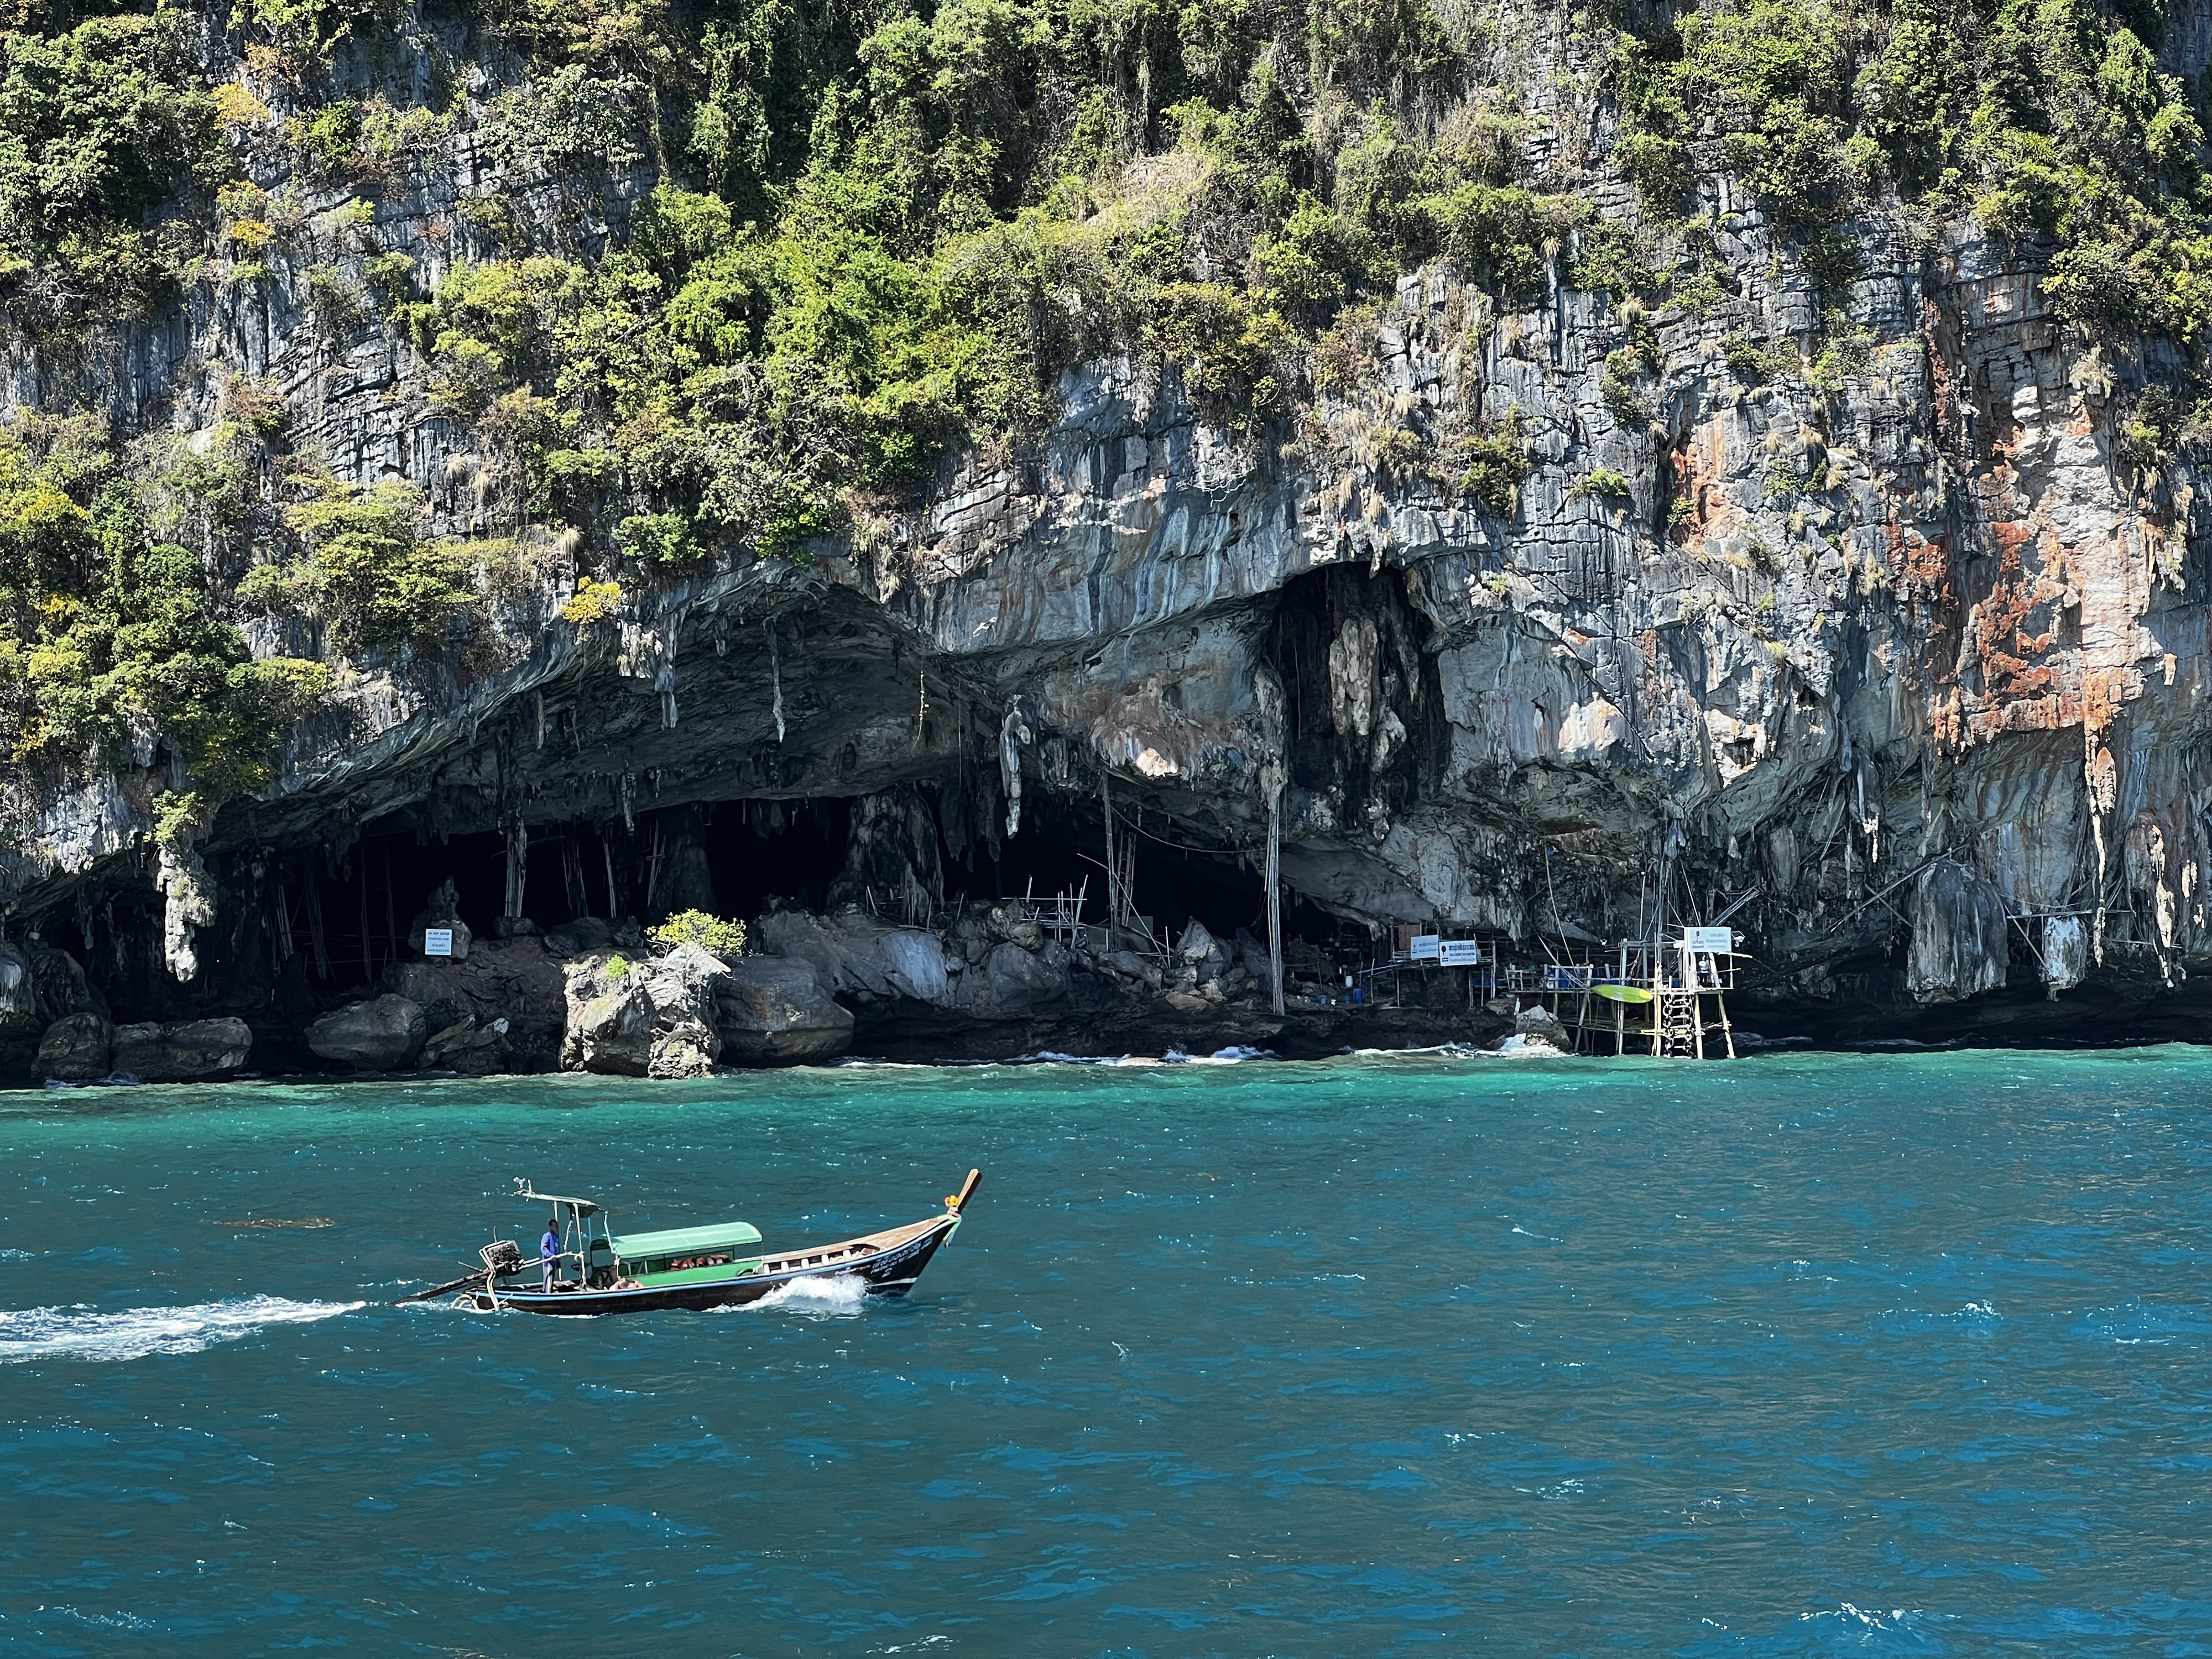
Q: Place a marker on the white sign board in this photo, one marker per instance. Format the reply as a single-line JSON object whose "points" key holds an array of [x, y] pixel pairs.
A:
{"points": [[1461, 953], [1425, 947], [437, 941], [1709, 938]]}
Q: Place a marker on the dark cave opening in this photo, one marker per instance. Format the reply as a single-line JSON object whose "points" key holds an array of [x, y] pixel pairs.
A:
{"points": [[755, 855], [1178, 878], [765, 854]]}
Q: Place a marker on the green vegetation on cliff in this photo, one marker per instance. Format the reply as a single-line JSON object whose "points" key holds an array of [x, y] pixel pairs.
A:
{"points": [[741, 274]]}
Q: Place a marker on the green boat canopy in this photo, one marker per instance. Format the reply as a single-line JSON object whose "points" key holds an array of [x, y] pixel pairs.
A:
{"points": [[685, 1241]]}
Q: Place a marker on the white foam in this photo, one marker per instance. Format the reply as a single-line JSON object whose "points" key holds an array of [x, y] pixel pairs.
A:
{"points": [[835, 1296], [1520, 1046], [84, 1332]]}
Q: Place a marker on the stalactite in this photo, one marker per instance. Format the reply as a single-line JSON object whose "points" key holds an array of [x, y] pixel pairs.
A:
{"points": [[1013, 732], [518, 867], [775, 683]]}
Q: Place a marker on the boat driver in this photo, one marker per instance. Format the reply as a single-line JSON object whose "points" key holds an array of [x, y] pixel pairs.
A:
{"points": [[549, 1251]]}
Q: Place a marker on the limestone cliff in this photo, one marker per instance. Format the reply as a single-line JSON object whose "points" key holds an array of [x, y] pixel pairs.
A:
{"points": [[1846, 597]]}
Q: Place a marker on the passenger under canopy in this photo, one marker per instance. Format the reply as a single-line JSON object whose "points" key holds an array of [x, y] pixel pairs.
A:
{"points": [[685, 1241]]}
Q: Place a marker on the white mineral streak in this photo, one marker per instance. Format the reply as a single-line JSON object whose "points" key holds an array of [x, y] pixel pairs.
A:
{"points": [[188, 902]]}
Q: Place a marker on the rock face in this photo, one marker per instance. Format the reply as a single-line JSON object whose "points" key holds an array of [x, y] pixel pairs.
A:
{"points": [[180, 1053], [19, 1002], [472, 1050], [856, 954], [683, 985], [1958, 927], [77, 1048], [1541, 1023], [609, 1019], [384, 1034], [518, 981], [1863, 582], [773, 1011], [1011, 982]]}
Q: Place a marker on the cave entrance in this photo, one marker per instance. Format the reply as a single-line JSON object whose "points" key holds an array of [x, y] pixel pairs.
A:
{"points": [[762, 854], [731, 858], [742, 858], [1179, 878]]}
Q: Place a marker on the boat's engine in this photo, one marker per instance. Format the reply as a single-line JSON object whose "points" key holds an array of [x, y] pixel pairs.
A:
{"points": [[502, 1256]]}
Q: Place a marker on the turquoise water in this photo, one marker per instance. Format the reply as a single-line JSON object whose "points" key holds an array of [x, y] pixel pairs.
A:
{"points": [[1813, 1355]]}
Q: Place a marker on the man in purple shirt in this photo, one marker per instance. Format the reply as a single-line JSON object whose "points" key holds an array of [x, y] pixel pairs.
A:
{"points": [[549, 1251]]}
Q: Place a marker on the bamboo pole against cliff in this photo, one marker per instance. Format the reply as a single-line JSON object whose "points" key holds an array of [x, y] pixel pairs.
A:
{"points": [[367, 944], [1272, 781], [1113, 879]]}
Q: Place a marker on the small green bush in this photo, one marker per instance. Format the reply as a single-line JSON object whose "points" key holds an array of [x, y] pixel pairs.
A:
{"points": [[1746, 359], [1602, 482], [709, 933]]}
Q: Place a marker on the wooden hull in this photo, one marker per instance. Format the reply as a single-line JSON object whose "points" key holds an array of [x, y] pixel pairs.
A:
{"points": [[887, 1263]]}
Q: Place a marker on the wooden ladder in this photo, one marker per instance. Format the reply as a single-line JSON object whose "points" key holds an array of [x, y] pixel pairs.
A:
{"points": [[1680, 1034]]}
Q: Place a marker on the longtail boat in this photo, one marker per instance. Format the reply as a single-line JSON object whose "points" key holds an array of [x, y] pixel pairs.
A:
{"points": [[600, 1270]]}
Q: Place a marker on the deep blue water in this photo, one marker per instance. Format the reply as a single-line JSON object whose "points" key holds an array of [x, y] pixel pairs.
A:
{"points": [[1815, 1355]]}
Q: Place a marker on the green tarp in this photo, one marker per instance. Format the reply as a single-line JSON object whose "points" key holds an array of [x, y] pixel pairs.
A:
{"points": [[685, 1241]]}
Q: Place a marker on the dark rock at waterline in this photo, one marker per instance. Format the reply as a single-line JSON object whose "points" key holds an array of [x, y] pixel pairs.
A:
{"points": [[517, 980], [381, 1035], [609, 1019], [77, 1049], [686, 1048], [179, 1053], [1010, 982], [773, 1011], [465, 1046], [1538, 1021]]}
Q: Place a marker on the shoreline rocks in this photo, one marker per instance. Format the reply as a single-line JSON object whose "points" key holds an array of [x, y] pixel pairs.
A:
{"points": [[182, 1053], [381, 1034], [774, 1011], [77, 1048]]}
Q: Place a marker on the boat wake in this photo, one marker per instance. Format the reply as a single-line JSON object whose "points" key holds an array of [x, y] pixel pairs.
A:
{"points": [[841, 1295], [85, 1333]]}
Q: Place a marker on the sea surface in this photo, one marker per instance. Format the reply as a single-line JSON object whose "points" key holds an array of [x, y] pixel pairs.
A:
{"points": [[1809, 1354]]}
